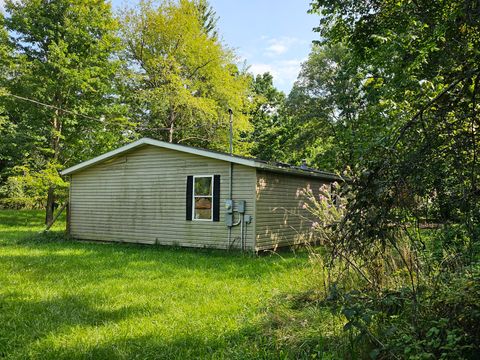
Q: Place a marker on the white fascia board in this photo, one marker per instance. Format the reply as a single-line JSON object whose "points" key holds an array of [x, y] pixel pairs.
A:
{"points": [[157, 143], [199, 152], [102, 157]]}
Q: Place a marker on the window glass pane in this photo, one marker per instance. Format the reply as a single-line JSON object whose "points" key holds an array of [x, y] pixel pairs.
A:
{"points": [[203, 208], [203, 186]]}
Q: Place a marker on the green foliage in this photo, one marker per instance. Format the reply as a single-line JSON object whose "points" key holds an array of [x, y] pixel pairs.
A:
{"points": [[183, 82], [444, 324], [267, 119], [63, 54], [419, 80], [416, 69], [27, 189], [71, 88], [323, 108], [7, 129], [405, 293], [208, 17], [60, 55]]}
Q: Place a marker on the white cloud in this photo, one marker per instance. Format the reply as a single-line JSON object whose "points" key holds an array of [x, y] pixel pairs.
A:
{"points": [[277, 49], [284, 72], [279, 46], [280, 56], [261, 68]]}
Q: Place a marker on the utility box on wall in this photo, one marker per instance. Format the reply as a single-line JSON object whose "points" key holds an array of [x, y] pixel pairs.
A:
{"points": [[229, 213], [231, 207], [240, 204]]}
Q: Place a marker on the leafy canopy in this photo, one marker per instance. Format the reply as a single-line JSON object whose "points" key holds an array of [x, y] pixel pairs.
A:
{"points": [[183, 81], [61, 54]]}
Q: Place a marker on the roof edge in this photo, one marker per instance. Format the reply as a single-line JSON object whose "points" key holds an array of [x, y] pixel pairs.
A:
{"points": [[201, 152], [157, 143], [306, 173]]}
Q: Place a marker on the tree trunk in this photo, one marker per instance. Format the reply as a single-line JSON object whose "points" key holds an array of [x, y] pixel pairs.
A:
{"points": [[172, 122], [55, 144], [50, 206]]}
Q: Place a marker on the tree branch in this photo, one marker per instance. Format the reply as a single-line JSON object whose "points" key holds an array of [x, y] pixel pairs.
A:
{"points": [[418, 115]]}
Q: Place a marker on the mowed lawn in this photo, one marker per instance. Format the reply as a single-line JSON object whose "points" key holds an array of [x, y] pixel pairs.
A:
{"points": [[66, 299]]}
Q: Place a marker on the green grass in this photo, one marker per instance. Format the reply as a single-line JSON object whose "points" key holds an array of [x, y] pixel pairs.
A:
{"points": [[66, 299]]}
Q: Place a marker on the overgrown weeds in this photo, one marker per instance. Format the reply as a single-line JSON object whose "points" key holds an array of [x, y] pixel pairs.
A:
{"points": [[399, 292]]}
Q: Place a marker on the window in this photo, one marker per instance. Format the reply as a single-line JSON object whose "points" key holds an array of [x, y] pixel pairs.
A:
{"points": [[202, 197]]}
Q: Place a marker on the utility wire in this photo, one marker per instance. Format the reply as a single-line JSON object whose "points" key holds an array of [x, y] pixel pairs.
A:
{"points": [[52, 107], [211, 126]]}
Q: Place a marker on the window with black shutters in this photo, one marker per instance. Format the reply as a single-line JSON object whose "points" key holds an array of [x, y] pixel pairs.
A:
{"points": [[203, 198]]}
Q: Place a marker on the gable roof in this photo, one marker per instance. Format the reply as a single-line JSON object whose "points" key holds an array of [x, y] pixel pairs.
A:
{"points": [[251, 162]]}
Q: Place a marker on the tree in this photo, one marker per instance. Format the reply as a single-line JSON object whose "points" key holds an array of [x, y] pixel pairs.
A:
{"points": [[335, 124], [418, 63], [182, 80], [208, 17], [323, 120], [323, 109], [266, 118], [415, 67], [64, 55], [6, 129]]}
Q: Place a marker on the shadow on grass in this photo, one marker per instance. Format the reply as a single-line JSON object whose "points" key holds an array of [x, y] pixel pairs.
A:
{"points": [[193, 346], [246, 343], [41, 318], [53, 250], [102, 261], [77, 278], [18, 218]]}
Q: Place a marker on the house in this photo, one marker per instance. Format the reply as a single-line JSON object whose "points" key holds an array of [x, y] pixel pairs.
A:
{"points": [[153, 192]]}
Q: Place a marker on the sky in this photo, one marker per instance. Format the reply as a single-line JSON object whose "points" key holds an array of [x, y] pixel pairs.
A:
{"points": [[269, 35]]}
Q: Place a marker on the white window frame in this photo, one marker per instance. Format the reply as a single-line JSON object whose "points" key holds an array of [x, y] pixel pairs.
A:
{"points": [[202, 196]]}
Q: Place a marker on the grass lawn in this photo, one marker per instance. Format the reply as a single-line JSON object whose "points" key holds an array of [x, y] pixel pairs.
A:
{"points": [[65, 299]]}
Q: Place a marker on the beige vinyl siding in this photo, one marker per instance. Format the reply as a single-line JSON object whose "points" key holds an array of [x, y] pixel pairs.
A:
{"points": [[280, 218], [140, 197]]}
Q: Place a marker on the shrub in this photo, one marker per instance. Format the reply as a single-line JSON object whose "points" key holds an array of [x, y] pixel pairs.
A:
{"points": [[27, 189], [408, 294]]}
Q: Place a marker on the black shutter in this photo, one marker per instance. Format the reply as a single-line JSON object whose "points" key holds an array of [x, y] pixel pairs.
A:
{"points": [[216, 197], [189, 197]]}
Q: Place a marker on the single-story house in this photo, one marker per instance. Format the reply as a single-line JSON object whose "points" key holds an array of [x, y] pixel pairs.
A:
{"points": [[154, 192]]}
